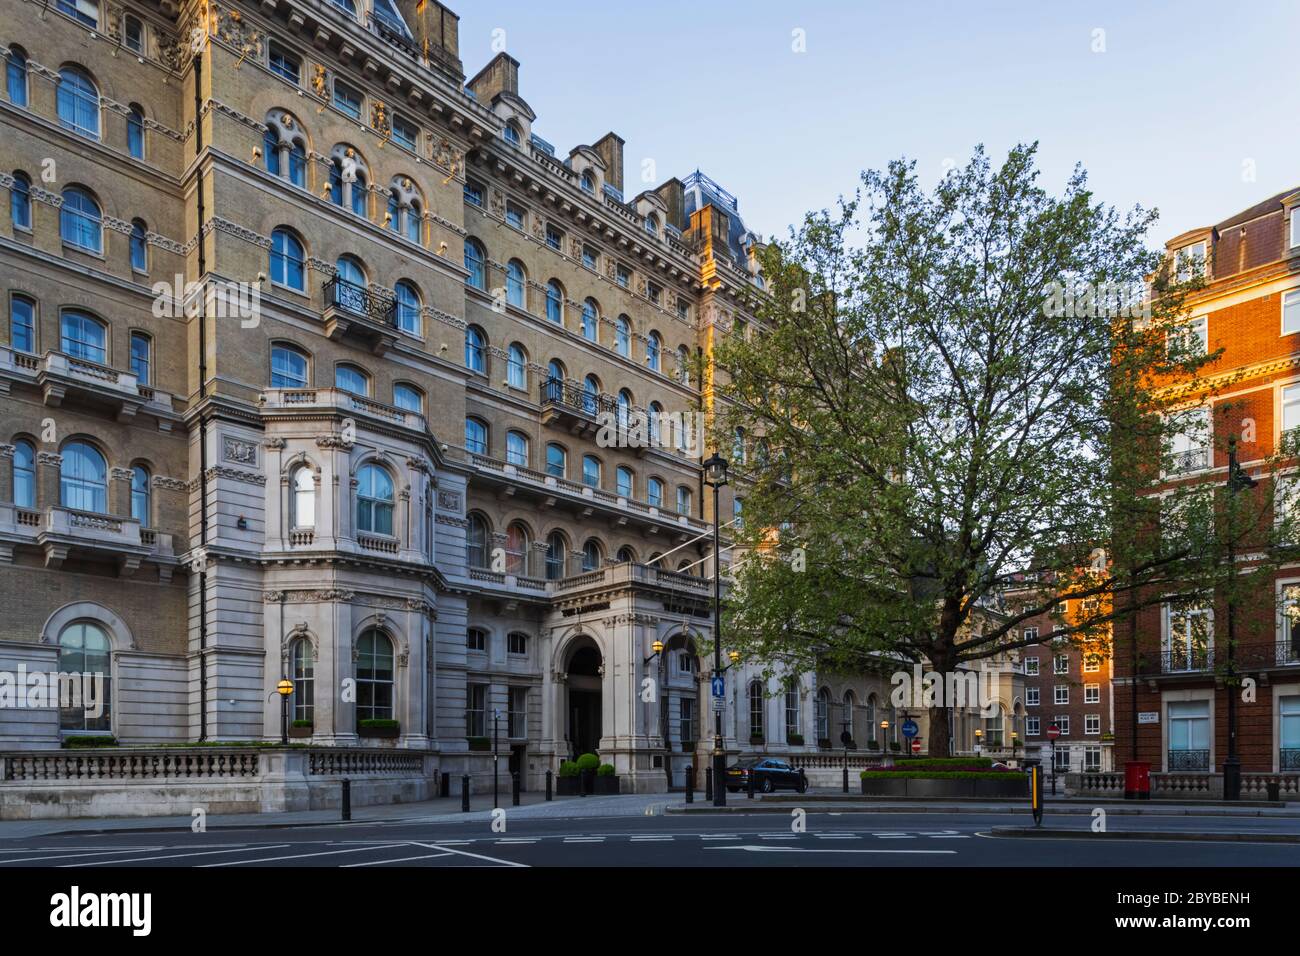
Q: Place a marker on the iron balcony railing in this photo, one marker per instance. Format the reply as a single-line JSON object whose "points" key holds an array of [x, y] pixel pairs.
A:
{"points": [[556, 391], [359, 300], [1289, 759], [1184, 659], [1189, 760], [1180, 659], [1194, 459]]}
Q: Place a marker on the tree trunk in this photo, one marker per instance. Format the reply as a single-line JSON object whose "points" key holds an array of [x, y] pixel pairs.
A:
{"points": [[940, 732]]}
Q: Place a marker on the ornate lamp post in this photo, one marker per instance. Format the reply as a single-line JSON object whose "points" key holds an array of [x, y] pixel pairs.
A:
{"points": [[715, 476], [284, 689]]}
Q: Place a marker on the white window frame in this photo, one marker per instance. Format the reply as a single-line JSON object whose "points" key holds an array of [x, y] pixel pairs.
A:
{"points": [[1061, 664], [1291, 305], [1061, 695], [1032, 696], [1092, 693], [1031, 666], [1181, 257], [1033, 727], [1092, 724]]}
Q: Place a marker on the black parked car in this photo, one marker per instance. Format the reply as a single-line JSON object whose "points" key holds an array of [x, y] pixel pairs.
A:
{"points": [[769, 775]]}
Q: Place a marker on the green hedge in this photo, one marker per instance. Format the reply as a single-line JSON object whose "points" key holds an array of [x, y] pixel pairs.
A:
{"points": [[605, 770], [568, 768], [301, 723], [939, 763], [378, 723], [939, 774], [588, 762], [90, 740]]}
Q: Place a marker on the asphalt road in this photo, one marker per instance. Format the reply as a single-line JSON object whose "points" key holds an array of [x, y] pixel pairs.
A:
{"points": [[746, 840]]}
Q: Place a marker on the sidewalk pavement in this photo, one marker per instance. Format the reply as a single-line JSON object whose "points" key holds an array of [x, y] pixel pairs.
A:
{"points": [[441, 810]]}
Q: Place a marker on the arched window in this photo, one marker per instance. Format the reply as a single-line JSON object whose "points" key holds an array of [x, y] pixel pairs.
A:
{"points": [[476, 350], [590, 394], [623, 336], [351, 379], [476, 436], [738, 513], [756, 734], [139, 246], [78, 102], [653, 348], [413, 219], [625, 482], [81, 222], [83, 478], [510, 133], [84, 649], [518, 542], [408, 397], [141, 510], [133, 34], [683, 500], [374, 500], [83, 337], [554, 302], [652, 224], [475, 264], [654, 490], [738, 446], [683, 364], [304, 498], [517, 367], [624, 407], [20, 201], [793, 725], [408, 307], [591, 471], [287, 260], [517, 449], [135, 131], [350, 284], [823, 714], [557, 460], [515, 282], [555, 370], [590, 319], [271, 152], [592, 555], [476, 541], [298, 164], [870, 714], [374, 676], [347, 182], [24, 474], [302, 667], [22, 324], [588, 183], [653, 414], [557, 554], [288, 367], [16, 76]]}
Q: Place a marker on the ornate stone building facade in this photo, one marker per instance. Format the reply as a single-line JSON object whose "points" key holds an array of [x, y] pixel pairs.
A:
{"points": [[307, 346]]}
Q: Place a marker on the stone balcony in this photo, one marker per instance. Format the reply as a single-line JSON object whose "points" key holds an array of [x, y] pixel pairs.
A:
{"points": [[62, 377], [319, 399], [622, 575], [66, 532], [355, 312], [552, 491]]}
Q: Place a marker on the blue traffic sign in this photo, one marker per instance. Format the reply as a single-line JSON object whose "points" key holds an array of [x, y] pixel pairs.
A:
{"points": [[910, 728], [719, 686]]}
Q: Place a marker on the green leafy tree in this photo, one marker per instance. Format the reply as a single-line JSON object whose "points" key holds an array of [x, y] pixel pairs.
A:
{"points": [[959, 405]]}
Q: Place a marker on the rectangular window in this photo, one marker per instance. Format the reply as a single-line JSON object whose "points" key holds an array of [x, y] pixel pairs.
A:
{"points": [[140, 357], [1032, 727], [589, 257], [686, 711], [1031, 696], [347, 99], [1288, 712], [1290, 407], [473, 193], [1061, 694], [683, 500], [405, 133], [554, 238], [1061, 664], [1189, 735], [1031, 666], [683, 309], [1063, 724], [1091, 759], [517, 717], [1295, 226], [1092, 693], [517, 644], [515, 215], [83, 11], [22, 325], [1061, 760], [653, 292], [623, 275], [1092, 664], [1190, 261], [476, 639], [476, 712], [285, 64], [1031, 633], [1092, 723], [1189, 339], [1291, 312]]}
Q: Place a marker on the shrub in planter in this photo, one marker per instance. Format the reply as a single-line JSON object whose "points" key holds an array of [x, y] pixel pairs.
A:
{"points": [[90, 740], [894, 746], [873, 744], [568, 770], [568, 783], [688, 746], [794, 740], [605, 770], [756, 740], [588, 762], [300, 728], [479, 744], [378, 727], [824, 743]]}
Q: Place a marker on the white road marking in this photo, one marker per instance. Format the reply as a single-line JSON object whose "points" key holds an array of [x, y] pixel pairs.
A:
{"points": [[477, 856], [176, 856], [719, 836], [650, 839], [295, 856], [405, 859], [776, 836], [583, 840], [801, 849], [511, 841], [60, 856]]}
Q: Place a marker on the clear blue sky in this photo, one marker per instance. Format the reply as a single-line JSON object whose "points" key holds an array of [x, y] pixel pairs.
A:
{"points": [[1183, 96]]}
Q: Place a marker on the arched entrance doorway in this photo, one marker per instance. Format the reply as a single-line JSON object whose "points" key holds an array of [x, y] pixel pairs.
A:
{"points": [[682, 722], [584, 669]]}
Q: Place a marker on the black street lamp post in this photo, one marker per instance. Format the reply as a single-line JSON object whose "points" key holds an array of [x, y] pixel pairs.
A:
{"points": [[715, 476], [1237, 480], [284, 689]]}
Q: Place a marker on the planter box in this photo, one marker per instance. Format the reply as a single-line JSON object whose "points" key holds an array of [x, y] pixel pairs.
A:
{"points": [[997, 786], [382, 733], [568, 786], [794, 740], [757, 741], [479, 744], [300, 731], [607, 785]]}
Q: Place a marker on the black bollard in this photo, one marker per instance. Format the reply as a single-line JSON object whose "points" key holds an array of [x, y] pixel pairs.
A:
{"points": [[464, 793], [548, 785], [444, 785], [846, 780], [347, 799], [749, 784], [514, 788], [690, 785], [708, 784]]}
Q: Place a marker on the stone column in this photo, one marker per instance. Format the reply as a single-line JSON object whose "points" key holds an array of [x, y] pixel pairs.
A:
{"points": [[7, 472], [48, 465]]}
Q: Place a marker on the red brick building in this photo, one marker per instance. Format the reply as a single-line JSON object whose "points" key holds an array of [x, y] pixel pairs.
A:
{"points": [[1178, 711]]}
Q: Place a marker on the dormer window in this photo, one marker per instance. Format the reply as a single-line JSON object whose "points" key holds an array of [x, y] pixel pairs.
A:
{"points": [[510, 133], [588, 183], [652, 224], [1295, 227], [1189, 261]]}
